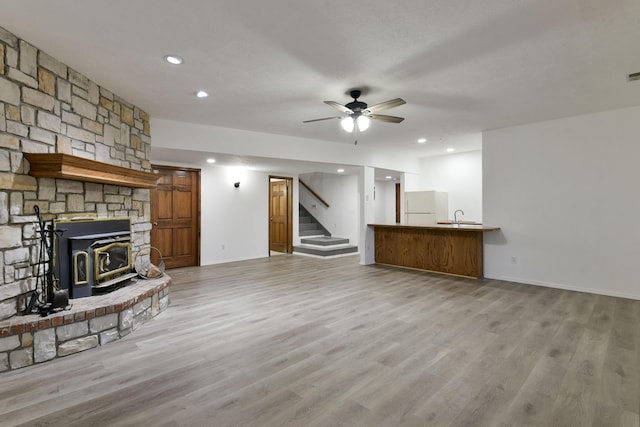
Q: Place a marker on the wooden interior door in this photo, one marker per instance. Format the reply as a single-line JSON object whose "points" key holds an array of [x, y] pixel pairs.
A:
{"points": [[280, 214], [175, 216], [398, 199]]}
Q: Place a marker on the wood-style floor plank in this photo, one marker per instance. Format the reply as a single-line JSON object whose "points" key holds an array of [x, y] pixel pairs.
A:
{"points": [[299, 341]]}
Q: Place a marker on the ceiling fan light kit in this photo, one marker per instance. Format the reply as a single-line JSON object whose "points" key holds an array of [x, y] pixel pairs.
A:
{"points": [[363, 123], [358, 114], [347, 124]]}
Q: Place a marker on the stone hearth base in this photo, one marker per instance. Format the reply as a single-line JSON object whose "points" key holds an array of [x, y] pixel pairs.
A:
{"points": [[91, 322]]}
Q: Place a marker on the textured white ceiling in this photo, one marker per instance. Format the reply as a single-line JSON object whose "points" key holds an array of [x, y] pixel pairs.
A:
{"points": [[462, 66]]}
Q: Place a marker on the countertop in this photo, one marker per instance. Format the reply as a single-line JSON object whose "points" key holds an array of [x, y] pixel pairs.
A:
{"points": [[451, 227]]}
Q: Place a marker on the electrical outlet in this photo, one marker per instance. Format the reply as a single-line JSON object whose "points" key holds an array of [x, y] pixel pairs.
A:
{"points": [[514, 260]]}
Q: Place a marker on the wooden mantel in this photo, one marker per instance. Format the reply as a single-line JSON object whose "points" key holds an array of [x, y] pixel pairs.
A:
{"points": [[66, 166]]}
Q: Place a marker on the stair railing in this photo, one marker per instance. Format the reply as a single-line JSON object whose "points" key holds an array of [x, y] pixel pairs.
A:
{"points": [[313, 193]]}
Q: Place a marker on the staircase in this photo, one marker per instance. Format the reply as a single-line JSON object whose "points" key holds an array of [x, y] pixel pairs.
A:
{"points": [[317, 240], [309, 226]]}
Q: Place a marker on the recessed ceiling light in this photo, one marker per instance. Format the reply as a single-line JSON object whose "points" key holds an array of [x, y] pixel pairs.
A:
{"points": [[340, 170], [201, 94], [389, 177], [211, 160], [450, 150], [422, 140], [174, 59]]}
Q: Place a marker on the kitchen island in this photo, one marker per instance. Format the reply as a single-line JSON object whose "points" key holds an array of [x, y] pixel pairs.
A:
{"points": [[442, 248]]}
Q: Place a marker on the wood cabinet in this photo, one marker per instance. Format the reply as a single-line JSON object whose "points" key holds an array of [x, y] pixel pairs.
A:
{"points": [[456, 250]]}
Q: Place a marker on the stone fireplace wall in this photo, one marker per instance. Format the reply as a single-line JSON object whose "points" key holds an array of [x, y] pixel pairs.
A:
{"points": [[48, 107]]}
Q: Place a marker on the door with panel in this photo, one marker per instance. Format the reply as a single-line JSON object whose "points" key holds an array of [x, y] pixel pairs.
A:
{"points": [[175, 216], [280, 215]]}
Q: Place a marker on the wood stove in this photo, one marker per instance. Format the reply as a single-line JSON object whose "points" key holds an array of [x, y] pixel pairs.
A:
{"points": [[93, 256]]}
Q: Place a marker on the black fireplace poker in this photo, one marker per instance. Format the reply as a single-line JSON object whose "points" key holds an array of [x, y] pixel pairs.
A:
{"points": [[47, 298]]}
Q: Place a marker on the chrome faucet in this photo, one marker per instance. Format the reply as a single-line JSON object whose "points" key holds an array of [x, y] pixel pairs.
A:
{"points": [[455, 216]]}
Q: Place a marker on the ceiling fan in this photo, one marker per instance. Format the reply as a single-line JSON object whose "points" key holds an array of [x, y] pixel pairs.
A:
{"points": [[358, 113]]}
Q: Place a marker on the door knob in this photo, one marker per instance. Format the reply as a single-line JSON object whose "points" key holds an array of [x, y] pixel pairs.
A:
{"points": [[155, 224]]}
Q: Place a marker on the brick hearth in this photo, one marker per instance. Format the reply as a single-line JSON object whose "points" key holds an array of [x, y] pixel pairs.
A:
{"points": [[91, 322]]}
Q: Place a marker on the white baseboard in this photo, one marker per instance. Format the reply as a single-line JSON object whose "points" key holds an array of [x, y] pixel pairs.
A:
{"points": [[565, 287]]}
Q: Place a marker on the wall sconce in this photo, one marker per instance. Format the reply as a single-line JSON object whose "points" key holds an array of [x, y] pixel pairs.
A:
{"points": [[235, 175]]}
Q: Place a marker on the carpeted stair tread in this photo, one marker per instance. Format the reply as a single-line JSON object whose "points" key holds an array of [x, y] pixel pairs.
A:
{"points": [[325, 251], [324, 241]]}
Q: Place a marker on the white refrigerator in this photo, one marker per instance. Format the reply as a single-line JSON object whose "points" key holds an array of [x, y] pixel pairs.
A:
{"points": [[426, 207]]}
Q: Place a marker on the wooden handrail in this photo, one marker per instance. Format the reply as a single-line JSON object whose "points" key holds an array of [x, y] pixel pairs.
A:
{"points": [[320, 199]]}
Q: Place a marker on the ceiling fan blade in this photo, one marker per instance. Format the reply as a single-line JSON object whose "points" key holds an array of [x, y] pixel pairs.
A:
{"points": [[385, 105], [339, 107], [385, 118], [318, 120]]}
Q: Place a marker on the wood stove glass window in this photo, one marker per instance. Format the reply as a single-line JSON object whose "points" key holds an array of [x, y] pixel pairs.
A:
{"points": [[111, 260], [81, 268]]}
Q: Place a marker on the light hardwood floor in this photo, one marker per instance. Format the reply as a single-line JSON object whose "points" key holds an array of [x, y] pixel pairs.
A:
{"points": [[299, 341]]}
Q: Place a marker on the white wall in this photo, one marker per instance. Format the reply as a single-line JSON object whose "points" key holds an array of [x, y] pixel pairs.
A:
{"points": [[565, 193], [385, 202], [342, 218], [189, 136], [413, 182], [366, 187], [235, 222], [460, 175]]}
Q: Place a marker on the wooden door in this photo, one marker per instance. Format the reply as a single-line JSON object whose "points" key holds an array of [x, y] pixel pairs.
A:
{"points": [[398, 199], [280, 215], [175, 216]]}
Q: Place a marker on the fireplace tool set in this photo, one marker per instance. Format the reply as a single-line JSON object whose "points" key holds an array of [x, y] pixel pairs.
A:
{"points": [[47, 298]]}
